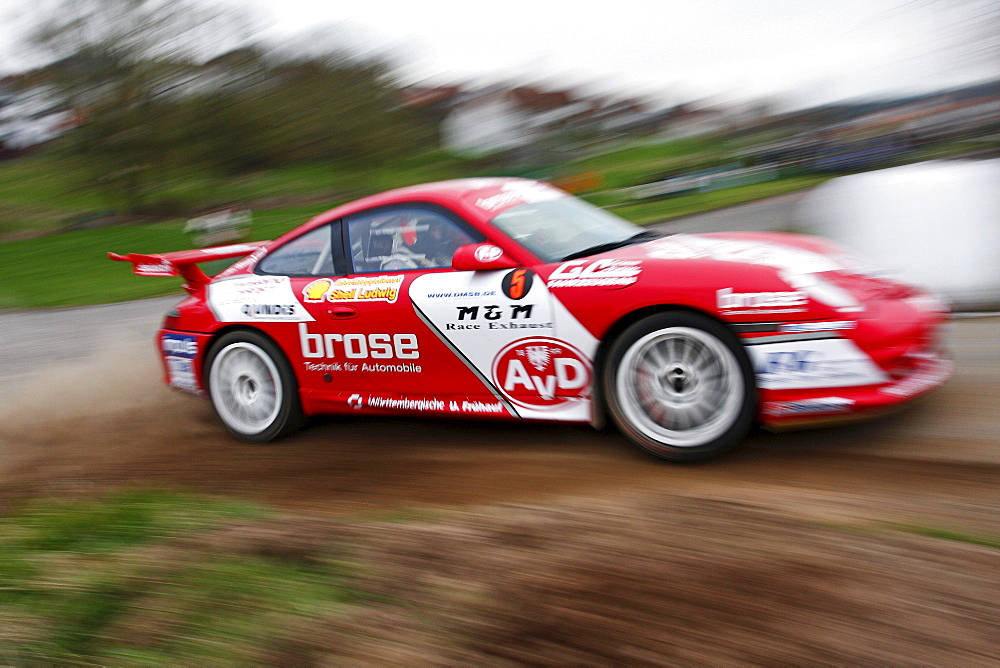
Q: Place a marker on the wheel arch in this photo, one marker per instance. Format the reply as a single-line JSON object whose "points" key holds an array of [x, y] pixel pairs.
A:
{"points": [[239, 327], [599, 412]]}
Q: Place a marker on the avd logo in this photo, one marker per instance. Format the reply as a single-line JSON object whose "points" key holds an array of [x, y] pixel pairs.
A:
{"points": [[541, 373]]}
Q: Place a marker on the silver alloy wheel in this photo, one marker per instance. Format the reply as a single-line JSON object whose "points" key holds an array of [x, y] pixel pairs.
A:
{"points": [[246, 388], [680, 386]]}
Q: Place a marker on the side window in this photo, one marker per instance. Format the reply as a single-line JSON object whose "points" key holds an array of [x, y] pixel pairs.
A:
{"points": [[308, 255], [394, 239]]}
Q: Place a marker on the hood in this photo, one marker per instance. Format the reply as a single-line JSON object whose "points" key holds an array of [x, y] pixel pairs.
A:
{"points": [[810, 267]]}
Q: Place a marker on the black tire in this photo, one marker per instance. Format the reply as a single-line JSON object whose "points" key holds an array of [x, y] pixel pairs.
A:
{"points": [[252, 387], [680, 386]]}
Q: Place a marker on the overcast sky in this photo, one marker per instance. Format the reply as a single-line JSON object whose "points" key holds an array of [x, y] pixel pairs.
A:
{"points": [[796, 52]]}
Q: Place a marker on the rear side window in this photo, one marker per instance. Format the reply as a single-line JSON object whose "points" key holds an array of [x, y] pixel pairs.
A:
{"points": [[308, 255]]}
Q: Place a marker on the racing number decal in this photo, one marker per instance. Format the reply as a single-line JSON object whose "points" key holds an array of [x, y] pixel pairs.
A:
{"points": [[517, 283]]}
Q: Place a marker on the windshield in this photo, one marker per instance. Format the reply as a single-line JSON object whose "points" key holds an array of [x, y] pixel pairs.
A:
{"points": [[557, 229]]}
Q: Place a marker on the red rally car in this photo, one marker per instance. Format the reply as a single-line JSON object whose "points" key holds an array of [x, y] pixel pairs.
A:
{"points": [[509, 299]]}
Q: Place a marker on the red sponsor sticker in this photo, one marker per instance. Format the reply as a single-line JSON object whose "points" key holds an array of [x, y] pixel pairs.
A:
{"points": [[542, 373]]}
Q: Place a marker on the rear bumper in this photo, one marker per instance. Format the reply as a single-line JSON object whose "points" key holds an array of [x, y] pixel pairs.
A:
{"points": [[181, 354]]}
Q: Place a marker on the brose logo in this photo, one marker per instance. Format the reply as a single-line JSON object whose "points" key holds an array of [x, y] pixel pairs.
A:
{"points": [[542, 373], [358, 346]]}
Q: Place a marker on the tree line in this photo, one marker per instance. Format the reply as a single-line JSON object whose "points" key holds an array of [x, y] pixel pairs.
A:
{"points": [[164, 88]]}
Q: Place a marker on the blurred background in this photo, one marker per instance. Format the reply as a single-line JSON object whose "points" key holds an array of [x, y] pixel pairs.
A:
{"points": [[126, 113], [161, 108]]}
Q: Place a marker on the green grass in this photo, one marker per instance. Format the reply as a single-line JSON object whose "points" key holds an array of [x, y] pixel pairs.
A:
{"points": [[125, 579], [73, 269], [641, 162], [41, 192], [946, 534], [645, 213]]}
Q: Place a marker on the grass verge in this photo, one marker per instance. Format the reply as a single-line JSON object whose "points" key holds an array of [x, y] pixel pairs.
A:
{"points": [[946, 534], [131, 578], [72, 269], [645, 213]]}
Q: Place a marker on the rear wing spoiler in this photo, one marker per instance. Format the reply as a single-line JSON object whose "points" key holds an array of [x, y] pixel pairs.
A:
{"points": [[184, 263]]}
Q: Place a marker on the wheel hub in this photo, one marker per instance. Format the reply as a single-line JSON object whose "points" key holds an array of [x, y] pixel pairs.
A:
{"points": [[247, 390], [678, 380]]}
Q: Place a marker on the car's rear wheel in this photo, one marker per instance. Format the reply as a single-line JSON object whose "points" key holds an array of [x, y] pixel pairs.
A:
{"points": [[252, 387], [680, 386]]}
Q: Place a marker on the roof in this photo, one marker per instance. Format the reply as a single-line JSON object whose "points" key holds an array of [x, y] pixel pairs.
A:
{"points": [[479, 198]]}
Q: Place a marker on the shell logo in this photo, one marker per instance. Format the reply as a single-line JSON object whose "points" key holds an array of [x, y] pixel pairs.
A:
{"points": [[316, 291]]}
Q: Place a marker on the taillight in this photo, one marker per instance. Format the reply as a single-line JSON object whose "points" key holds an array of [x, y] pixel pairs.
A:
{"points": [[170, 319]]}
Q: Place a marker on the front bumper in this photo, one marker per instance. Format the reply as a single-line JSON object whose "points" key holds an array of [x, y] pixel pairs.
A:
{"points": [[789, 409]]}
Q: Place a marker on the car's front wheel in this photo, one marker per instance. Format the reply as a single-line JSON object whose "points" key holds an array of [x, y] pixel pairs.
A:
{"points": [[680, 386], [252, 387]]}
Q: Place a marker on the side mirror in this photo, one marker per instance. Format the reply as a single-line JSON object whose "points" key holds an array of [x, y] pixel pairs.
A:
{"points": [[481, 257]]}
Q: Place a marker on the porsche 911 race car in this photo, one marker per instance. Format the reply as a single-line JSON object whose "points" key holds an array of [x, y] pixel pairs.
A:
{"points": [[509, 299]]}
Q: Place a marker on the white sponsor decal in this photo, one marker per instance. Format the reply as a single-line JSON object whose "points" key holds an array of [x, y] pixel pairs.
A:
{"points": [[488, 253], [364, 367], [428, 404], [518, 192], [256, 299], [358, 346], [810, 364], [590, 273], [808, 406], [234, 248], [796, 327], [356, 289], [181, 373], [727, 300], [162, 269], [797, 267], [921, 381]]}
